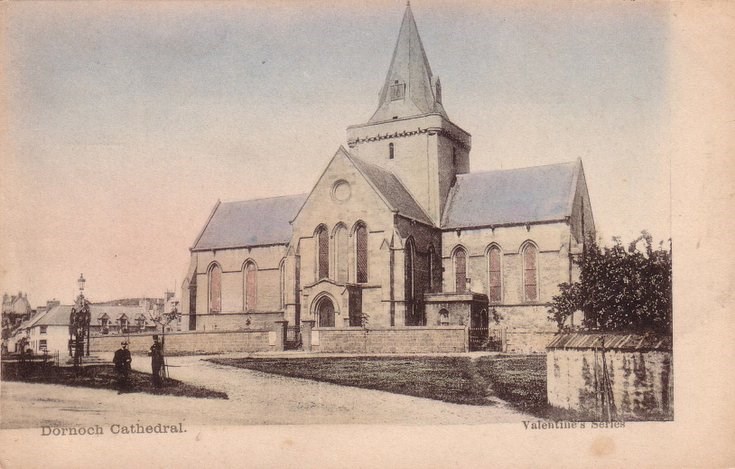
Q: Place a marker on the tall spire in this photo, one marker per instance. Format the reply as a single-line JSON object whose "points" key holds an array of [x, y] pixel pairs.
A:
{"points": [[409, 89]]}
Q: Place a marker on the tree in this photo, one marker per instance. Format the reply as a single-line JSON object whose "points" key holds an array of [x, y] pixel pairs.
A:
{"points": [[619, 289]]}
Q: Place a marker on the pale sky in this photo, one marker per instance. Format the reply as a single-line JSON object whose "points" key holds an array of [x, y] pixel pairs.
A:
{"points": [[126, 122]]}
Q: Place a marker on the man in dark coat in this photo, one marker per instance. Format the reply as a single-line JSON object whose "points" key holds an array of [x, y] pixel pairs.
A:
{"points": [[156, 361], [122, 362]]}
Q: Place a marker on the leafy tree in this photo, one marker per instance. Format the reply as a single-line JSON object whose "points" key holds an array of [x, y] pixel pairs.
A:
{"points": [[619, 289]]}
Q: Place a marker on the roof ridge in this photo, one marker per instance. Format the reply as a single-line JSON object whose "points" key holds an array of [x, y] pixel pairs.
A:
{"points": [[234, 201], [516, 169]]}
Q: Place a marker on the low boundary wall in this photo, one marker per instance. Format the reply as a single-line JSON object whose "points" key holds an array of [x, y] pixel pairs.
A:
{"points": [[630, 376], [256, 340], [440, 339]]}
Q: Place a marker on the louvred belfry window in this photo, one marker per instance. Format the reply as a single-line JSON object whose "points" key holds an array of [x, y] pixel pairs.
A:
{"points": [[460, 270], [215, 289], [361, 247], [251, 287], [494, 276], [323, 254], [397, 91], [530, 273]]}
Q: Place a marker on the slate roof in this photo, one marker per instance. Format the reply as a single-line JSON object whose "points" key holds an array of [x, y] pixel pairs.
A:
{"points": [[514, 196], [59, 315], [409, 66], [392, 190], [248, 223]]}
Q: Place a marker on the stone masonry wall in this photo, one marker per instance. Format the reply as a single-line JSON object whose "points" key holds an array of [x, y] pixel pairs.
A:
{"points": [[189, 342], [641, 381], [391, 340]]}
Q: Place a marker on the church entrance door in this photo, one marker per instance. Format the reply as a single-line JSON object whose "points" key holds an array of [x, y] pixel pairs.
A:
{"points": [[325, 312]]}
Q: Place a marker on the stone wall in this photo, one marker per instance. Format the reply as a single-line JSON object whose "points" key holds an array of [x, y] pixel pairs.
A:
{"points": [[527, 341], [237, 321], [391, 340], [641, 382], [190, 342]]}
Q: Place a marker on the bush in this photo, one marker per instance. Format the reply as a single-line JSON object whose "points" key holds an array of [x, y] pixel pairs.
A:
{"points": [[619, 289]]}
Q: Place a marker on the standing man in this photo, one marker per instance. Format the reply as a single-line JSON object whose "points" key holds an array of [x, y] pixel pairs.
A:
{"points": [[156, 362], [122, 362]]}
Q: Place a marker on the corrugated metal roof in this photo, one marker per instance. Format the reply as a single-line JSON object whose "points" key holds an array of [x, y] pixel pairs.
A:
{"points": [[611, 340], [394, 192], [250, 223], [526, 195]]}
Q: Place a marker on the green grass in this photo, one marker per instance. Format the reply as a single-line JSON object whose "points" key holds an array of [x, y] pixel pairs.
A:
{"points": [[102, 377], [519, 380]]}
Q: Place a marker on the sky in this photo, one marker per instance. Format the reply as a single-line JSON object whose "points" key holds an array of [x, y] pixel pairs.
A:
{"points": [[126, 122]]}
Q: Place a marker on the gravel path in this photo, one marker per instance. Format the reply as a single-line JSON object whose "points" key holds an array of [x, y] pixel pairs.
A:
{"points": [[254, 398]]}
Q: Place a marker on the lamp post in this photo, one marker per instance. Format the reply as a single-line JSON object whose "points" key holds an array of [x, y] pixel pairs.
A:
{"points": [[79, 320]]}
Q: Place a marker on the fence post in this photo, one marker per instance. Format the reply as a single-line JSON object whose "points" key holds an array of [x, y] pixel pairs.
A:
{"points": [[467, 338]]}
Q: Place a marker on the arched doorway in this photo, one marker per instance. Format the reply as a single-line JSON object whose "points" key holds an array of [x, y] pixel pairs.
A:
{"points": [[325, 312]]}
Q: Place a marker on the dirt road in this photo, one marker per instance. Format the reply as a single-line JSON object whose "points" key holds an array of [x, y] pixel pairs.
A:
{"points": [[254, 398]]}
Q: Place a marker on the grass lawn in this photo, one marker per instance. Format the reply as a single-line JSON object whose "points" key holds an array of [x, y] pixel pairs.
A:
{"points": [[102, 377], [519, 380]]}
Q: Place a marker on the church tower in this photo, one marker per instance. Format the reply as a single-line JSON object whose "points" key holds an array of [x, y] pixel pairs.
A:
{"points": [[410, 133]]}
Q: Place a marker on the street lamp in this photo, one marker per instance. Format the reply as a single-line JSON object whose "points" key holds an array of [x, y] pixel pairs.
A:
{"points": [[79, 320]]}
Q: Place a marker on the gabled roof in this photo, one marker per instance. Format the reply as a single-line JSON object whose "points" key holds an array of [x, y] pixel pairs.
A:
{"points": [[59, 315], [514, 196], [410, 67], [392, 190], [250, 223]]}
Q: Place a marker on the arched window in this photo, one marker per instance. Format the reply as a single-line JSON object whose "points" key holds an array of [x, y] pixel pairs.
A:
{"points": [[409, 284], [322, 253], [193, 303], [391, 151], [495, 275], [530, 272], [432, 253], [361, 254], [250, 286], [341, 247], [460, 270], [215, 289], [282, 272]]}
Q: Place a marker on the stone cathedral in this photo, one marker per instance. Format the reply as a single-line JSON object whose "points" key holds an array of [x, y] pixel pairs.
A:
{"points": [[397, 232]]}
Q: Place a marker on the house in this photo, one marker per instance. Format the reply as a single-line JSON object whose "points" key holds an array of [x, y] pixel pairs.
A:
{"points": [[397, 232], [49, 332], [16, 309]]}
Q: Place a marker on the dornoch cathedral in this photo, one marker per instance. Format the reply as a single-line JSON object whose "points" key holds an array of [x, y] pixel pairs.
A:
{"points": [[397, 233]]}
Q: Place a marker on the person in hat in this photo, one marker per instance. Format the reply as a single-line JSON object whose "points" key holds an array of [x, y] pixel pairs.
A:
{"points": [[122, 362], [156, 361]]}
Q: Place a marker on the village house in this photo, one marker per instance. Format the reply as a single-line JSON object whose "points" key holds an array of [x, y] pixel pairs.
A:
{"points": [[16, 309], [397, 233], [48, 332]]}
